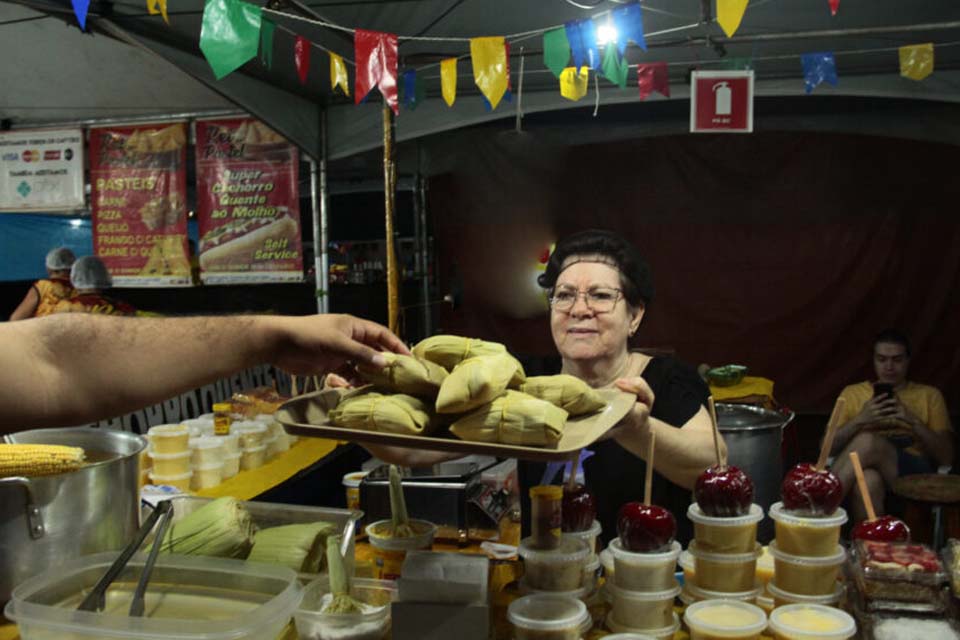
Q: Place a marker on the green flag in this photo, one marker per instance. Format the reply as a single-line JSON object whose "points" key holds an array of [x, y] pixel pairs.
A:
{"points": [[229, 34], [266, 42], [614, 67], [556, 50]]}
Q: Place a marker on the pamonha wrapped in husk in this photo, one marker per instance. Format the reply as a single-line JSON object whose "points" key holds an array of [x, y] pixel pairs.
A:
{"points": [[514, 418], [477, 381], [222, 528], [570, 393], [301, 547], [406, 374], [449, 351], [397, 413]]}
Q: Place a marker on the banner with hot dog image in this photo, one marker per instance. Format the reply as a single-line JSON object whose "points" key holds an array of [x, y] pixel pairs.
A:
{"points": [[139, 187], [248, 203]]}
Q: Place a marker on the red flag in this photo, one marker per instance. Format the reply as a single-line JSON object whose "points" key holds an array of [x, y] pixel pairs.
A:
{"points": [[376, 55], [834, 7], [301, 55], [653, 77]]}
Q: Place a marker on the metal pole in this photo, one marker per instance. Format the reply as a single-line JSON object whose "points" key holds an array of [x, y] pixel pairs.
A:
{"points": [[319, 288], [423, 267], [389, 198], [322, 256]]}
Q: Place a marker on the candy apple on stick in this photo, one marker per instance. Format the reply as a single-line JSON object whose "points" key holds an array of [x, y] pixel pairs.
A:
{"points": [[810, 489], [644, 527], [882, 529], [579, 507], [722, 491]]}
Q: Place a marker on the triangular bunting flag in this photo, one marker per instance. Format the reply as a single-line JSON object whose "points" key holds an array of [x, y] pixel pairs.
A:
{"points": [[582, 36], [628, 21], [376, 55], [411, 89], [818, 68], [80, 8], [448, 80], [229, 34], [615, 68], [916, 61], [834, 7], [267, 28], [490, 70], [338, 74], [573, 84], [301, 57], [155, 7], [556, 50], [729, 15], [653, 77]]}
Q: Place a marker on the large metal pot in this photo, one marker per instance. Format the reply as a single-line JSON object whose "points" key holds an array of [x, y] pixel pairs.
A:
{"points": [[47, 520], [753, 436]]}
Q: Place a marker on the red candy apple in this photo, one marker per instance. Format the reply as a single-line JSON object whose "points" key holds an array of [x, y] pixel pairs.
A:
{"points": [[579, 508], [724, 492], [645, 528], [809, 492], [883, 529]]}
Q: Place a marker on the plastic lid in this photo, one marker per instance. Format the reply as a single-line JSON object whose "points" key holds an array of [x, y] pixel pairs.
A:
{"points": [[618, 628], [686, 561], [813, 561], [707, 594], [654, 557], [222, 406], [803, 621], [570, 550], [262, 447], [206, 442], [248, 426], [594, 531], [765, 560], [733, 618], [695, 513], [353, 478], [168, 430], [546, 612], [628, 636], [175, 478], [731, 558], [208, 467], [549, 491], [579, 594], [613, 591], [168, 456], [606, 559], [778, 513], [592, 564], [832, 598]]}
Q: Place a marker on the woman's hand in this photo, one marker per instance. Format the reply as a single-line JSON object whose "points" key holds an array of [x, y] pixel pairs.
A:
{"points": [[636, 423]]}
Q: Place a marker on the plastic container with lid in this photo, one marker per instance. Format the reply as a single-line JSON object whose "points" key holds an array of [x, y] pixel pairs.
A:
{"points": [[589, 536], [169, 438], [231, 443], [806, 575], [642, 610], [180, 481], [231, 465], [806, 536], [547, 617], [591, 572], [545, 516], [200, 426], [627, 636], [253, 458], [188, 597], [351, 486], [206, 450], [765, 566], [666, 633], [811, 622], [273, 447], [252, 433], [170, 464], [725, 572], [781, 597], [699, 594], [372, 624], [644, 571], [728, 619], [766, 602], [583, 593], [389, 552], [206, 476], [559, 569], [897, 571], [736, 534], [687, 566], [607, 562]]}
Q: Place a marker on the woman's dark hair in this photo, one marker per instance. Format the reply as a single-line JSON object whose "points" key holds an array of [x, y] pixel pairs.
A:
{"points": [[635, 276], [893, 336]]}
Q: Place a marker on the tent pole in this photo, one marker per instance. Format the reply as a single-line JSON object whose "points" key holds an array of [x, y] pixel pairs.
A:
{"points": [[423, 267], [389, 193], [321, 204]]}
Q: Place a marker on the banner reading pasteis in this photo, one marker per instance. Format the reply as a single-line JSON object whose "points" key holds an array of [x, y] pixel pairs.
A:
{"points": [[139, 187], [248, 203]]}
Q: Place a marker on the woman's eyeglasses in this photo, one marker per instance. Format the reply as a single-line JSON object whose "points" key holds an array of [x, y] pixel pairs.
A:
{"points": [[598, 299]]}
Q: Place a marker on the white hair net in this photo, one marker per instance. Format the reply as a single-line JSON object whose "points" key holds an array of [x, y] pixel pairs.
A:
{"points": [[60, 259], [89, 272]]}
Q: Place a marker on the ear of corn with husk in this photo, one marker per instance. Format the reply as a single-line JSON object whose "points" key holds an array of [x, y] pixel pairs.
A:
{"points": [[398, 413], [301, 547], [221, 528], [570, 393], [38, 459], [449, 351], [477, 381], [406, 374], [342, 601], [399, 519], [514, 418]]}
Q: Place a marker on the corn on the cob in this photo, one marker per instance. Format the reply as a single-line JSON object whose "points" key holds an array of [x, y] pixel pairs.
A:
{"points": [[38, 459], [342, 601], [222, 528]]}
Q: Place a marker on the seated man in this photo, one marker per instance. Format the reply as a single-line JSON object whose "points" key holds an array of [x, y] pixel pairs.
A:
{"points": [[897, 427]]}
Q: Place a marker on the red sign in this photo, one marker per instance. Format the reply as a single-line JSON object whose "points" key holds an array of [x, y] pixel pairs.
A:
{"points": [[139, 192], [721, 101], [248, 203]]}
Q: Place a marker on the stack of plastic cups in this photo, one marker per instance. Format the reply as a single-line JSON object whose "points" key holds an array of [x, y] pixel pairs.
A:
{"points": [[231, 454], [725, 553], [253, 443], [591, 567], [642, 590], [807, 558], [207, 461], [170, 455]]}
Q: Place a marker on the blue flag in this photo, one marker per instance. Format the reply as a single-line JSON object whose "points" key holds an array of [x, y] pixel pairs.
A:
{"points": [[80, 9], [818, 68], [582, 36], [628, 21]]}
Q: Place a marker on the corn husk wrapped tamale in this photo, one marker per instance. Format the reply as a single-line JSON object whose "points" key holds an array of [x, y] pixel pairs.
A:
{"points": [[397, 413], [221, 528], [514, 418], [449, 351], [477, 381], [406, 374], [570, 393], [301, 547]]}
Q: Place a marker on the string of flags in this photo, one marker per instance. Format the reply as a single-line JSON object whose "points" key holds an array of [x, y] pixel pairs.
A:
{"points": [[233, 32]]}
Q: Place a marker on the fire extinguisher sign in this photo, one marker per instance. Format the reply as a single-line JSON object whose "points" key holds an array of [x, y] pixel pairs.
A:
{"points": [[721, 102]]}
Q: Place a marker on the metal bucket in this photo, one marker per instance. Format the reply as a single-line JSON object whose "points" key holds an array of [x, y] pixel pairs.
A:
{"points": [[753, 436], [47, 520]]}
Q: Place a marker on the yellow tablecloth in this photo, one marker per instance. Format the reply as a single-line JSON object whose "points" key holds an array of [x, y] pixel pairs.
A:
{"points": [[748, 387]]}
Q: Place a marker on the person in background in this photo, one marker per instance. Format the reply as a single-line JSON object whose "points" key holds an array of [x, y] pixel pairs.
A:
{"points": [[44, 294], [89, 277], [69, 369], [899, 429]]}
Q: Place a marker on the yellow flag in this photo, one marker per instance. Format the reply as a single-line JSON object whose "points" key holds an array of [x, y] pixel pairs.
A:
{"points": [[489, 57], [338, 74], [729, 15], [573, 85], [158, 6], [448, 80], [916, 61]]}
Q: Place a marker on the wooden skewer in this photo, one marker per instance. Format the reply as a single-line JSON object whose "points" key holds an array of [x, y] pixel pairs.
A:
{"points": [[648, 480], [574, 467], [716, 432], [831, 432], [293, 386], [862, 483]]}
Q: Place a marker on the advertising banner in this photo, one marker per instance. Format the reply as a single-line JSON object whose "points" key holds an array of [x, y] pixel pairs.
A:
{"points": [[41, 170], [248, 204], [139, 188]]}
